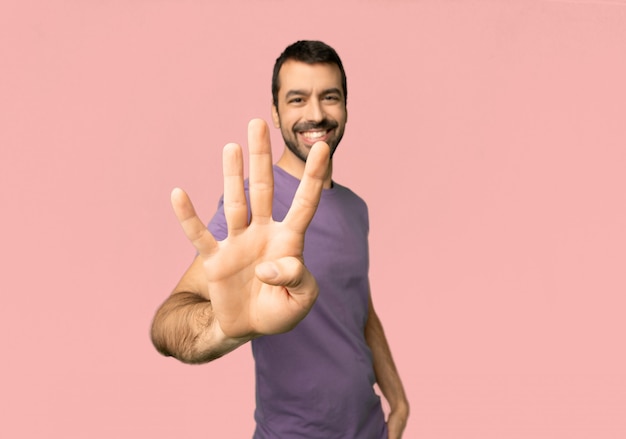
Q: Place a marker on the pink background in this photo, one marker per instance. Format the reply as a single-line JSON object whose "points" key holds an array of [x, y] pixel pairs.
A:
{"points": [[489, 139]]}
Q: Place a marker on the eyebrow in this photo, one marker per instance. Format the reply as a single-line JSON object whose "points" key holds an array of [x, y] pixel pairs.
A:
{"points": [[328, 91]]}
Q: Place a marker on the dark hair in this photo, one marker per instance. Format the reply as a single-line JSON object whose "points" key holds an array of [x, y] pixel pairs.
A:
{"points": [[310, 52]]}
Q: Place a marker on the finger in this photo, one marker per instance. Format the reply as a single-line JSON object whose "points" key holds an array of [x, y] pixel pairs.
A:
{"points": [[261, 172], [289, 272], [309, 191], [235, 206], [194, 228]]}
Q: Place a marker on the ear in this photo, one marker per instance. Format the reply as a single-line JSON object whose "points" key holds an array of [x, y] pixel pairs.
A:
{"points": [[275, 117]]}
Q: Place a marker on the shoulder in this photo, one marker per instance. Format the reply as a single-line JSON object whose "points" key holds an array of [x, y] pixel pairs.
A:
{"points": [[349, 195]]}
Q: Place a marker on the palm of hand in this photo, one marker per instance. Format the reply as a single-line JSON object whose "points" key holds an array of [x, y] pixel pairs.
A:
{"points": [[257, 282], [246, 301]]}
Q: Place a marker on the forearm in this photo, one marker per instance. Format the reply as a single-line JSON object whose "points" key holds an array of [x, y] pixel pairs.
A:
{"points": [[184, 327], [385, 369]]}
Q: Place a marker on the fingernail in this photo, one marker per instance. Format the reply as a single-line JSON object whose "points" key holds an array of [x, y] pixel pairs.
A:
{"points": [[267, 270]]}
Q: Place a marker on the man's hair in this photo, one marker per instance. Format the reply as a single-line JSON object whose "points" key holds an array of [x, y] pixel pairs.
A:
{"points": [[309, 52]]}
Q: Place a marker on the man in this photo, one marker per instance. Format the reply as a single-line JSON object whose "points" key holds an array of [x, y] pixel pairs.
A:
{"points": [[318, 349]]}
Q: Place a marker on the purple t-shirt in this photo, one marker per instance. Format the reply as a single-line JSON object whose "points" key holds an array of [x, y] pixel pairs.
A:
{"points": [[316, 381]]}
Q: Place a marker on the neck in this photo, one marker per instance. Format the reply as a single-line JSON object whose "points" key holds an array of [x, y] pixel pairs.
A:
{"points": [[291, 164]]}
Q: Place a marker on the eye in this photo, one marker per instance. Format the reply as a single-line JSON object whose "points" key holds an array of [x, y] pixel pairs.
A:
{"points": [[331, 98], [295, 101]]}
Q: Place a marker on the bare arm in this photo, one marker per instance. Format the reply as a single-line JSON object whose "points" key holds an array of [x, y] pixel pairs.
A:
{"points": [[184, 326], [387, 375], [254, 282]]}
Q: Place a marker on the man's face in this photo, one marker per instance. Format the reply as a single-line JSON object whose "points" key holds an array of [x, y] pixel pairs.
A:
{"points": [[311, 106]]}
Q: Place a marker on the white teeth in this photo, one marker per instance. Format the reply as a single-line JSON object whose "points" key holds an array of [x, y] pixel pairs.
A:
{"points": [[313, 134]]}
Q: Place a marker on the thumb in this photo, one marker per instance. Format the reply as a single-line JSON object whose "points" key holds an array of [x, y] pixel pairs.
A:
{"points": [[288, 272]]}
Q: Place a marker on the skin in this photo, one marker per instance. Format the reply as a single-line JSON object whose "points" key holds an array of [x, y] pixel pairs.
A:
{"points": [[254, 282], [309, 96]]}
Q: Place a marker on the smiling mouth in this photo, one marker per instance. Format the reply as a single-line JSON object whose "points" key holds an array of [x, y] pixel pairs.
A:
{"points": [[314, 135]]}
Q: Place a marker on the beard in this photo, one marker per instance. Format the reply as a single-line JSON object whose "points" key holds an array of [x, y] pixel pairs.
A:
{"points": [[290, 137]]}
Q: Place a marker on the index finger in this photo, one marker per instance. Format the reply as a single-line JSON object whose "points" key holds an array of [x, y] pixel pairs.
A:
{"points": [[309, 191]]}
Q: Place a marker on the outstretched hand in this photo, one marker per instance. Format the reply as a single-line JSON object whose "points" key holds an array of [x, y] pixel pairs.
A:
{"points": [[257, 281]]}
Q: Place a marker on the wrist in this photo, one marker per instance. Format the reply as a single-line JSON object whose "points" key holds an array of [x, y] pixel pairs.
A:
{"points": [[400, 407]]}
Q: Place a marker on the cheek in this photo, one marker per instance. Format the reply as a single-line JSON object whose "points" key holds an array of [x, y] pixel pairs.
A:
{"points": [[286, 120], [341, 116]]}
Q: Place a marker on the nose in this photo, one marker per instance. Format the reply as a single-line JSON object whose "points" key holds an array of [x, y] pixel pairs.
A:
{"points": [[314, 111]]}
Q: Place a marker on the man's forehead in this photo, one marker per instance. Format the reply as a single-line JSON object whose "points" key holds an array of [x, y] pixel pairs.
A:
{"points": [[301, 75]]}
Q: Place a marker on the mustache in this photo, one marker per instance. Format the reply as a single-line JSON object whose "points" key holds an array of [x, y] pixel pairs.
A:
{"points": [[323, 124]]}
